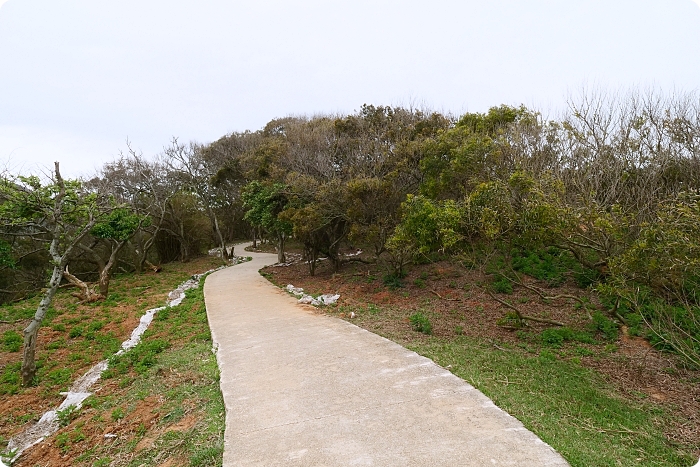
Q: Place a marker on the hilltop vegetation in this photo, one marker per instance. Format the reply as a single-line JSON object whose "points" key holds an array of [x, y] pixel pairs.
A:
{"points": [[609, 189], [603, 200]]}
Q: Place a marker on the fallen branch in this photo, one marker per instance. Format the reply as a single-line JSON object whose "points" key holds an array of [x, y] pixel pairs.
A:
{"points": [[497, 346], [87, 295], [446, 298], [521, 316], [152, 266], [543, 295]]}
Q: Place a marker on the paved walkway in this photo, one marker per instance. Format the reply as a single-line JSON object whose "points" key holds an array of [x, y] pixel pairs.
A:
{"points": [[303, 389]]}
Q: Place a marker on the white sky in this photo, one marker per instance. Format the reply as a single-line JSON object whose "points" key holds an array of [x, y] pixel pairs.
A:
{"points": [[79, 77]]}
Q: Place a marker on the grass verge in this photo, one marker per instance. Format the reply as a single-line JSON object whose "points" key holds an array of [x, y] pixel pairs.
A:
{"points": [[568, 406]]}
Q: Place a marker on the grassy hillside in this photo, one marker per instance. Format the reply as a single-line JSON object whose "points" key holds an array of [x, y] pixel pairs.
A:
{"points": [[158, 404]]}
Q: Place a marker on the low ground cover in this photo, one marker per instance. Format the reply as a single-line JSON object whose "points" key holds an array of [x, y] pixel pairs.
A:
{"points": [[158, 404], [592, 389]]}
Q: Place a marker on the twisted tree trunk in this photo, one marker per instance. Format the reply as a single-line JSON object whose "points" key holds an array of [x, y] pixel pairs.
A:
{"points": [[31, 332]]}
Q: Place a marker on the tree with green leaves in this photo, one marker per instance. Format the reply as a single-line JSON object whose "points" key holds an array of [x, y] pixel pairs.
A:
{"points": [[263, 203], [60, 213]]}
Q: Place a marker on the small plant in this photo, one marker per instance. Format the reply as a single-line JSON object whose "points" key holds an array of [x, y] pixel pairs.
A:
{"points": [[547, 356], [6, 455], [9, 379], [459, 330], [140, 358], [57, 344], [63, 442], [583, 352], [117, 413], [420, 323], [78, 435], [67, 415], [420, 283], [555, 337], [59, 377]]}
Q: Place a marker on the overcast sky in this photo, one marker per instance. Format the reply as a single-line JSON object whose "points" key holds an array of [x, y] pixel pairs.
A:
{"points": [[79, 77]]}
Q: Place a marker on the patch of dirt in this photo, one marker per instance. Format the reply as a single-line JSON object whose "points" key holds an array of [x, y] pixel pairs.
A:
{"points": [[173, 462], [455, 300]]}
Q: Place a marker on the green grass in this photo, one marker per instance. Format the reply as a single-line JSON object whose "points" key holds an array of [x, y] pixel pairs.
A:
{"points": [[11, 341], [568, 406]]}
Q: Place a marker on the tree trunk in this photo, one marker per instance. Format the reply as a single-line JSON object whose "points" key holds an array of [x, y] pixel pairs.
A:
{"points": [[184, 254], [280, 248], [31, 332], [224, 252], [106, 271], [105, 276], [255, 239], [313, 256], [140, 261]]}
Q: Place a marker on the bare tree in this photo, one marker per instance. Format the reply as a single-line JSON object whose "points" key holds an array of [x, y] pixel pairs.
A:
{"points": [[197, 175]]}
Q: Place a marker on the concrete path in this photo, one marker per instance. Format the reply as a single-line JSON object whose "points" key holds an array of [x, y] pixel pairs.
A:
{"points": [[303, 389]]}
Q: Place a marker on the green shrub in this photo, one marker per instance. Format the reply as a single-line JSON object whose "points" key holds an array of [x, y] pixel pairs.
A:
{"points": [[552, 337], [551, 265], [555, 337], [394, 281], [502, 285], [421, 323], [605, 326]]}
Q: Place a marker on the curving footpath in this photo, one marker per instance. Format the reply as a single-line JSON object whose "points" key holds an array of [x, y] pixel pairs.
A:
{"points": [[303, 389]]}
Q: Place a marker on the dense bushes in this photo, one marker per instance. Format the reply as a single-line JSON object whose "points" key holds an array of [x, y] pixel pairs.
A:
{"points": [[606, 195]]}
